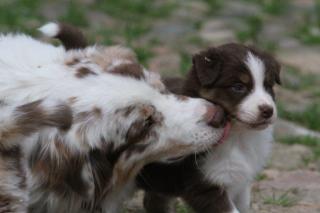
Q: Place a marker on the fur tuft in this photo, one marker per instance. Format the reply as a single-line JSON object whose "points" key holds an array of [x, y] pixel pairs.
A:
{"points": [[70, 36], [50, 29]]}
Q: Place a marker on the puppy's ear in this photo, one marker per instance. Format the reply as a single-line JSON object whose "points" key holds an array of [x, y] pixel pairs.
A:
{"points": [[277, 68], [274, 66], [207, 65]]}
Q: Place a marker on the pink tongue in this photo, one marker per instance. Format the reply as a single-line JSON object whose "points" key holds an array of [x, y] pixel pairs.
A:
{"points": [[225, 134]]}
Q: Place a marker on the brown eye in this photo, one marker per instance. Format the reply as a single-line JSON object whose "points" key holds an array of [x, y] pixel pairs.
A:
{"points": [[238, 88]]}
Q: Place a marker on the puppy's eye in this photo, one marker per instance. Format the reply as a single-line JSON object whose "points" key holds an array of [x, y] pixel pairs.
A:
{"points": [[238, 88]]}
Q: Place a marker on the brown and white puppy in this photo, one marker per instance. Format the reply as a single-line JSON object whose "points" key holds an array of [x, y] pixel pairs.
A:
{"points": [[241, 79]]}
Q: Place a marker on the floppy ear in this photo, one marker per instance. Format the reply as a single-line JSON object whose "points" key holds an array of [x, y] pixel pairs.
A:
{"points": [[277, 68], [207, 65]]}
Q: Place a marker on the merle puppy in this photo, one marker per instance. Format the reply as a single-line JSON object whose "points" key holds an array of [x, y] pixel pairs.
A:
{"points": [[241, 79], [77, 126]]}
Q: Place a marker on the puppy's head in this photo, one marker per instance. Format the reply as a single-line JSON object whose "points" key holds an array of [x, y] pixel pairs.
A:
{"points": [[239, 78]]}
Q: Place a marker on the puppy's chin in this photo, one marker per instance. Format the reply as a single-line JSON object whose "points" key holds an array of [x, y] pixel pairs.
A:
{"points": [[258, 126]]}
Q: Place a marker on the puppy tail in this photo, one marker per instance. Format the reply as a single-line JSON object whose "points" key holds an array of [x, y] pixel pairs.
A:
{"points": [[70, 36]]}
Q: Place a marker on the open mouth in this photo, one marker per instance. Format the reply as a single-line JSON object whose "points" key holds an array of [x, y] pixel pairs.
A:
{"points": [[225, 133]]}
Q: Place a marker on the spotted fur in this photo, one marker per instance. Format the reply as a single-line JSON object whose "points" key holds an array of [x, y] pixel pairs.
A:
{"points": [[83, 137]]}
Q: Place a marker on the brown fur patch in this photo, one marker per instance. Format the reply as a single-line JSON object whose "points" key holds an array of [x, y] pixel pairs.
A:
{"points": [[13, 157], [84, 72], [59, 172], [105, 56], [245, 78], [85, 119], [133, 70], [13, 181], [97, 112], [28, 119], [181, 97], [72, 100], [138, 131], [72, 61], [126, 111], [32, 116], [71, 37], [61, 117]]}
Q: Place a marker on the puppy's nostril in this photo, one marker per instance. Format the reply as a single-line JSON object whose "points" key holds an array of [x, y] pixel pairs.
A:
{"points": [[215, 116], [266, 111]]}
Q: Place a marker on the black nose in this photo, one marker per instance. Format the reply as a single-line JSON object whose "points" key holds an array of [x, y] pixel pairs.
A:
{"points": [[266, 111]]}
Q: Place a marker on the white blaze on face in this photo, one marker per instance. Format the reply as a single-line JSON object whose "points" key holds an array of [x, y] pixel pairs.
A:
{"points": [[249, 108]]}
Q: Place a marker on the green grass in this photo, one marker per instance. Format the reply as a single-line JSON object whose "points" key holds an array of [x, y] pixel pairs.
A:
{"points": [[313, 143], [128, 34], [284, 199], [275, 7], [135, 10], [302, 81], [215, 5], [316, 92], [254, 26], [134, 18], [260, 177], [185, 63], [15, 15], [132, 32], [75, 14], [195, 40], [308, 118], [269, 46], [307, 34], [309, 30], [143, 54], [182, 208]]}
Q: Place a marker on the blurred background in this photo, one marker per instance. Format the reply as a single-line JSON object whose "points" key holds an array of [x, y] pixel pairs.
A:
{"points": [[165, 34]]}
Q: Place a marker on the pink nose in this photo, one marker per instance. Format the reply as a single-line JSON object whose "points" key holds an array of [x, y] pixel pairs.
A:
{"points": [[215, 116]]}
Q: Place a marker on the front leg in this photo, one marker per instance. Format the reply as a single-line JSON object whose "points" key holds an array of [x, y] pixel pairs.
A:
{"points": [[207, 198], [242, 198]]}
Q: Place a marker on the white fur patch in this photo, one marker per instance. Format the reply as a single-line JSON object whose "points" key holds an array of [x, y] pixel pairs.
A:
{"points": [[248, 111], [256, 68], [50, 29]]}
